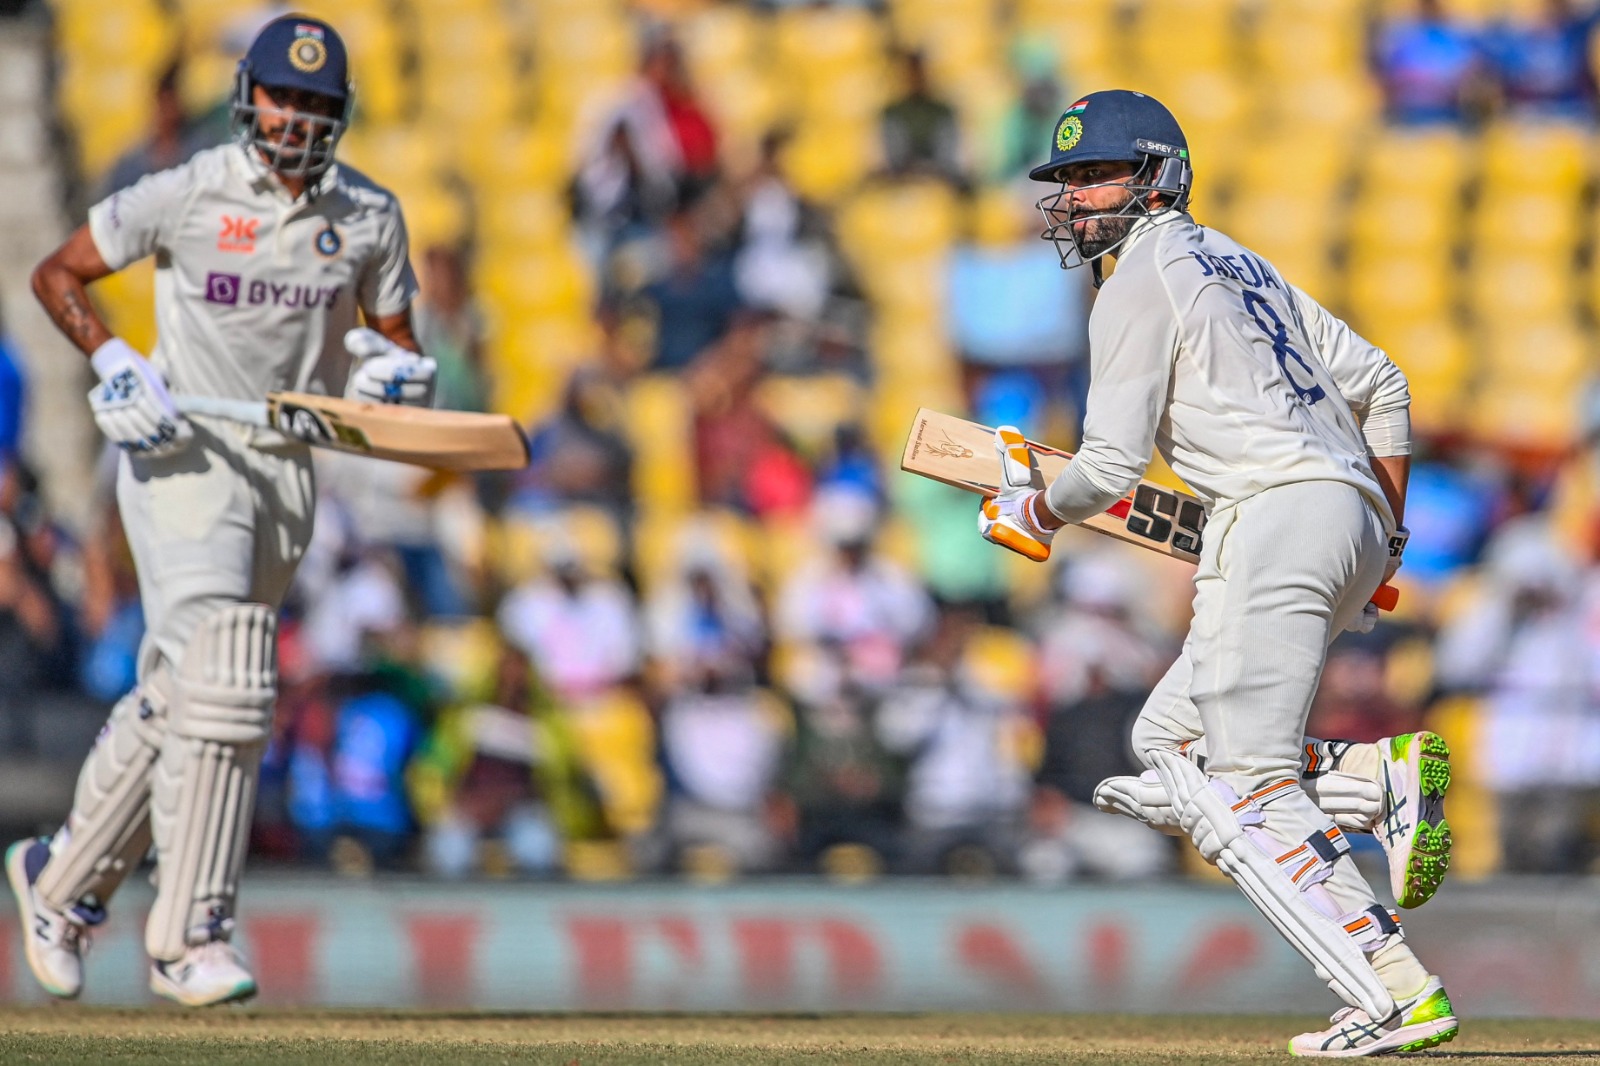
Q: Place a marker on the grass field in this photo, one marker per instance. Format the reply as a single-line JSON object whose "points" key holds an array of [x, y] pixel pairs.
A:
{"points": [[174, 1038]]}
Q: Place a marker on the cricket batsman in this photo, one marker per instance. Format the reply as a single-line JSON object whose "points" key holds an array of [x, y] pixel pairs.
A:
{"points": [[265, 250], [1295, 433]]}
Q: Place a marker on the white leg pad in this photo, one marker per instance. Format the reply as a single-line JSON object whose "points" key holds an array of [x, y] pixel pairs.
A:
{"points": [[203, 788], [108, 830], [1285, 888]]}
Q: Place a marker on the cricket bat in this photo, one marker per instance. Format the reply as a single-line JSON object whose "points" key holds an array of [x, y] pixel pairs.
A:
{"points": [[961, 454], [443, 440]]}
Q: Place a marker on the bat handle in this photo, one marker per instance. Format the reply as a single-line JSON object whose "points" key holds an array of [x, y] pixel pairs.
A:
{"points": [[1387, 598], [250, 412]]}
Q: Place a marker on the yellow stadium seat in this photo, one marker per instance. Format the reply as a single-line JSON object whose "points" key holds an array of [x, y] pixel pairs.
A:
{"points": [[810, 409], [898, 220], [903, 346], [1436, 160], [663, 541], [1519, 417], [129, 33], [389, 153], [1434, 355], [660, 426], [466, 104], [1416, 286], [813, 42], [1520, 288], [504, 164], [1401, 220], [1519, 221], [1293, 233], [728, 36], [1297, 39], [825, 161], [1002, 661], [1553, 353], [617, 743], [1189, 35], [126, 301], [1520, 155], [548, 280], [1339, 107]]}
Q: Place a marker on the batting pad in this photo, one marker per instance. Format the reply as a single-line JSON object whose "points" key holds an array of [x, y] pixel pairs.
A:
{"points": [[1286, 887], [203, 788], [108, 830]]}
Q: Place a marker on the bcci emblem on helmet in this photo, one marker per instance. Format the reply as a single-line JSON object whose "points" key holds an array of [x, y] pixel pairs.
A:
{"points": [[1068, 132], [308, 52]]}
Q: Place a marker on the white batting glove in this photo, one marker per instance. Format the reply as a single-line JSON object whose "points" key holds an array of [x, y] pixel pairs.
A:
{"points": [[386, 372], [1397, 548], [132, 406], [1008, 519]]}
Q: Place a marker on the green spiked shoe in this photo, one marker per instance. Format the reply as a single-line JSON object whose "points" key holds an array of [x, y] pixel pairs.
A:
{"points": [[1415, 774]]}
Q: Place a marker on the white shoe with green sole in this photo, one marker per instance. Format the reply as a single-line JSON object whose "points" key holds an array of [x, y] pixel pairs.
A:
{"points": [[1415, 774]]}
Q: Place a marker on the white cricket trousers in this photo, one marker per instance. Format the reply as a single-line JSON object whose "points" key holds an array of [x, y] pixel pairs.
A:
{"points": [[1281, 574], [219, 523]]}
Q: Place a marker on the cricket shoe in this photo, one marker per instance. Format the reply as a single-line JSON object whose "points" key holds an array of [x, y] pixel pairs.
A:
{"points": [[205, 975], [53, 942], [1415, 774], [1425, 1020]]}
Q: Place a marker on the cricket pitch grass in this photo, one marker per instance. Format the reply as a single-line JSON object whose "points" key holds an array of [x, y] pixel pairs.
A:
{"points": [[171, 1037]]}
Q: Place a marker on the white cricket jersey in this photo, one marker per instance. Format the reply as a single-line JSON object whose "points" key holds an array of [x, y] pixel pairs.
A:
{"points": [[255, 290], [1200, 349]]}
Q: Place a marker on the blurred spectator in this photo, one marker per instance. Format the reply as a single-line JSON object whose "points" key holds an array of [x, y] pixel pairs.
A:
{"points": [[347, 779], [361, 598], [966, 784], [172, 138], [1451, 502], [1543, 66], [695, 300], [623, 191], [1528, 643], [919, 129], [853, 597], [110, 614], [1025, 129], [1008, 309], [502, 768], [665, 77], [1098, 660], [952, 568], [13, 394], [705, 612], [580, 454], [368, 510], [450, 328], [37, 639], [579, 629], [783, 263], [1352, 701], [742, 459], [842, 786], [1094, 643], [722, 741], [1430, 66]]}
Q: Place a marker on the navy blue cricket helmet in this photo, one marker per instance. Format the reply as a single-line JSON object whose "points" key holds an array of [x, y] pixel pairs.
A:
{"points": [[305, 54], [1114, 126]]}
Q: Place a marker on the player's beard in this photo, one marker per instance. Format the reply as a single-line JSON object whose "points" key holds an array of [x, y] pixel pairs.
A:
{"points": [[1104, 230]]}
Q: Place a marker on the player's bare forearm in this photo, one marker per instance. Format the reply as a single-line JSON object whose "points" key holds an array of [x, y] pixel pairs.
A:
{"points": [[58, 283], [1393, 471], [397, 329]]}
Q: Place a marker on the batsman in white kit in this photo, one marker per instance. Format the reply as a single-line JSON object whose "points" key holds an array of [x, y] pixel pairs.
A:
{"points": [[265, 252], [1295, 433]]}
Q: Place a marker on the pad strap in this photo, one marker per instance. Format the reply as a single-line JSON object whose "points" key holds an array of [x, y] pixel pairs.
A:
{"points": [[1371, 928]]}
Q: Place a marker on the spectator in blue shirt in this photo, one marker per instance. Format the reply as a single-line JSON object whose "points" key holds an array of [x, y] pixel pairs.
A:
{"points": [[1429, 67], [1542, 66]]}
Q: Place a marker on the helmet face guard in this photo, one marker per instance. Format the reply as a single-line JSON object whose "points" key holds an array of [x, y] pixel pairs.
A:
{"points": [[320, 133], [1067, 223]]}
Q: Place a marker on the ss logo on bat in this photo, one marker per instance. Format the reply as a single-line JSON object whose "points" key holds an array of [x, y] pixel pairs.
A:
{"points": [[1156, 511]]}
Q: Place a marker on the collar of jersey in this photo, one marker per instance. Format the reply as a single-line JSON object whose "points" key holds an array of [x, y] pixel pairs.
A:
{"points": [[261, 178], [1146, 225]]}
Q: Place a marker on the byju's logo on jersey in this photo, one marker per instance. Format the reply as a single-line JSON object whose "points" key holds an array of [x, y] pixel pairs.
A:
{"points": [[222, 288], [238, 234], [233, 290]]}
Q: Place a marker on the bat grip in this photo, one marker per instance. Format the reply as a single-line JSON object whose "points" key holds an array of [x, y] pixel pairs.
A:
{"points": [[1387, 598], [249, 412]]}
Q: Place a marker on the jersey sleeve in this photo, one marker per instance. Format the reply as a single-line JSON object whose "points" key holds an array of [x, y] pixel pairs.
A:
{"points": [[1370, 382], [388, 284], [1133, 343], [138, 221]]}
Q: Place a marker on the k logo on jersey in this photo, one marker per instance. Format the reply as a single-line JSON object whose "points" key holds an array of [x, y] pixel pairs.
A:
{"points": [[238, 234]]}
